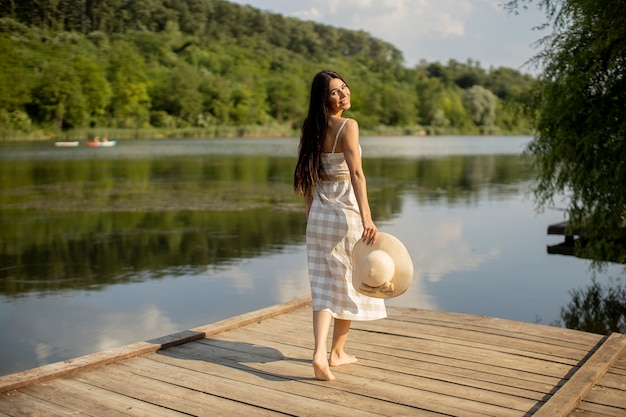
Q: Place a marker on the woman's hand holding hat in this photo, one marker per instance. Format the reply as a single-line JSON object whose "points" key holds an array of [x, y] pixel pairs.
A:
{"points": [[381, 270], [370, 232]]}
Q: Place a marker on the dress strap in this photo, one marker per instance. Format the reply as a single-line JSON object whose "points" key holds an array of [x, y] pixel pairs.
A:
{"points": [[338, 132]]}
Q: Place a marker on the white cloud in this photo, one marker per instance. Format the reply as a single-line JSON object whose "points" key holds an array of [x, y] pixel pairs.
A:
{"points": [[442, 248], [393, 20], [114, 329], [241, 279], [433, 30]]}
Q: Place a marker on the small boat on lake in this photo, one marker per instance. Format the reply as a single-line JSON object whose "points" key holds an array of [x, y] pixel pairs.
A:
{"points": [[102, 143], [66, 144]]}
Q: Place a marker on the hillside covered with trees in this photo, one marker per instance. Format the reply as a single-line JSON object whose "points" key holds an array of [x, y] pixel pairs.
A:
{"points": [[205, 66]]}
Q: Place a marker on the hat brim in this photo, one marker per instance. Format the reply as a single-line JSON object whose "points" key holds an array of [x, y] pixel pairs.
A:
{"points": [[403, 273]]}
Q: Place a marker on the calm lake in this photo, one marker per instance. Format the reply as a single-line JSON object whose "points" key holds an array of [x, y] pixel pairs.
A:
{"points": [[103, 247]]}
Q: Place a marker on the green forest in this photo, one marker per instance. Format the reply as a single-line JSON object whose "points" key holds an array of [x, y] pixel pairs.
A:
{"points": [[206, 68]]}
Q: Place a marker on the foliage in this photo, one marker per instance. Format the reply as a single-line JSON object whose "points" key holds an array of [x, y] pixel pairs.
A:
{"points": [[73, 65], [580, 122], [482, 103], [598, 309]]}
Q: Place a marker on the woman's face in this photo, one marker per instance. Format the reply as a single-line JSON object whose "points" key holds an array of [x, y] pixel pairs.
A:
{"points": [[339, 97]]}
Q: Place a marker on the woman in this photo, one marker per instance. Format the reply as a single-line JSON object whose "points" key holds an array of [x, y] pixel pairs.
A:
{"points": [[330, 177]]}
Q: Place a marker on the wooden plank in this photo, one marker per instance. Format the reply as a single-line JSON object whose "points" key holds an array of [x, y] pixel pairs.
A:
{"points": [[620, 364], [562, 228], [408, 352], [608, 396], [236, 384], [558, 346], [379, 388], [415, 382], [498, 326], [289, 375], [581, 383], [18, 404], [456, 369], [483, 341], [557, 228], [595, 410], [613, 380], [429, 364], [410, 349], [470, 378], [86, 398], [279, 379], [148, 390], [618, 371], [69, 367], [452, 348], [436, 334], [62, 398]]}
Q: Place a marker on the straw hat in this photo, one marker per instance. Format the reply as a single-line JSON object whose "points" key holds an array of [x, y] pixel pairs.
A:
{"points": [[384, 270]]}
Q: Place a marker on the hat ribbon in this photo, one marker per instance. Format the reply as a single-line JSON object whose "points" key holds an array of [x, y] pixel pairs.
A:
{"points": [[386, 288]]}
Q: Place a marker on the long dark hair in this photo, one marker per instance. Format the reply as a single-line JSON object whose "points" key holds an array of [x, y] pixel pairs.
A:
{"points": [[309, 167]]}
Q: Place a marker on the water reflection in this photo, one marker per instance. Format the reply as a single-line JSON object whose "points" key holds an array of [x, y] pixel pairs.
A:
{"points": [[72, 224], [71, 334], [102, 249]]}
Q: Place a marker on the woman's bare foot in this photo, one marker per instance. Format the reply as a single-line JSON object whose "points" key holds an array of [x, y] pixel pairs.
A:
{"points": [[322, 370], [341, 359]]}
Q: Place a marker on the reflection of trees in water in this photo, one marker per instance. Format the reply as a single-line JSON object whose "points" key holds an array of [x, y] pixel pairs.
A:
{"points": [[453, 180], [85, 224], [597, 308], [124, 247]]}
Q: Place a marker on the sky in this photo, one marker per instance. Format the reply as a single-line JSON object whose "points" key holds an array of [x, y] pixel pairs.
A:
{"points": [[431, 30]]}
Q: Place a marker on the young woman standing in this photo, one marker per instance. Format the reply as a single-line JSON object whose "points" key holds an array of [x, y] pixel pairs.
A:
{"points": [[330, 176]]}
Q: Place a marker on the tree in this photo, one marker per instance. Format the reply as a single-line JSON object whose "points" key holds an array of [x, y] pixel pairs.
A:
{"points": [[130, 84], [216, 92], [580, 119], [400, 106], [454, 109], [59, 96], [482, 103], [180, 95], [210, 63], [14, 86], [429, 92], [284, 94], [95, 87]]}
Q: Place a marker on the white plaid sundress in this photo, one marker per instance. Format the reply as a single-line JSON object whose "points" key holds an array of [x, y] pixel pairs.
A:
{"points": [[334, 226]]}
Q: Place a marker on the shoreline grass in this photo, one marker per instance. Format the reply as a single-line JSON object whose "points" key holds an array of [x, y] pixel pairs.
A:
{"points": [[248, 131]]}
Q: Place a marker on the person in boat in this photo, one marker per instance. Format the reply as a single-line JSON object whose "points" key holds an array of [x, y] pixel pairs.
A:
{"points": [[330, 176]]}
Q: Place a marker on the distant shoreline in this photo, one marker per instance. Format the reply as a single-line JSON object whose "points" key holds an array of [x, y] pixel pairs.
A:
{"points": [[273, 131]]}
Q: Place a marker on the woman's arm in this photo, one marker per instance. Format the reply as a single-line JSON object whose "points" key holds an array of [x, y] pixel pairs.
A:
{"points": [[352, 153]]}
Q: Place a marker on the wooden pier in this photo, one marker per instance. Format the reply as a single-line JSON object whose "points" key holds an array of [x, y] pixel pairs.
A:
{"points": [[567, 246], [414, 363]]}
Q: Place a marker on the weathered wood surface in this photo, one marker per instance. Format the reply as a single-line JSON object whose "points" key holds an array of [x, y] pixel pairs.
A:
{"points": [[414, 363]]}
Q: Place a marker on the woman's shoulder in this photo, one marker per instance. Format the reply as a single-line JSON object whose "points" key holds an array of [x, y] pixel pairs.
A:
{"points": [[350, 125], [346, 122], [349, 134]]}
